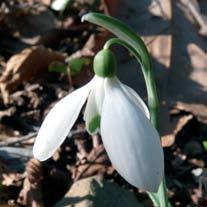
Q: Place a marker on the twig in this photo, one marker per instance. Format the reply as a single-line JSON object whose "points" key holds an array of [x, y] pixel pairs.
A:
{"points": [[13, 141], [90, 163], [17, 140]]}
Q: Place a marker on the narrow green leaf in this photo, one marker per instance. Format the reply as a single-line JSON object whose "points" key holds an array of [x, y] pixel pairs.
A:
{"points": [[154, 199], [159, 199], [76, 64], [205, 145], [58, 67], [73, 67]]}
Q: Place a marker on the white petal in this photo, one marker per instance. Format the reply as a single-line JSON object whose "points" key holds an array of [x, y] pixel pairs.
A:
{"points": [[94, 106], [59, 122], [132, 94], [132, 143]]}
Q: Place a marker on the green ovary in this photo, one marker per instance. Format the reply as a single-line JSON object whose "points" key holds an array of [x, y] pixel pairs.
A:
{"points": [[105, 64]]}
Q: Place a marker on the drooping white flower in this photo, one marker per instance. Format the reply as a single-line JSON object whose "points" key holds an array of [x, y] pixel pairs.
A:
{"points": [[121, 117]]}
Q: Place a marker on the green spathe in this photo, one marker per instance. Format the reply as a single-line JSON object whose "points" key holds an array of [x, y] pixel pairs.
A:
{"points": [[105, 63]]}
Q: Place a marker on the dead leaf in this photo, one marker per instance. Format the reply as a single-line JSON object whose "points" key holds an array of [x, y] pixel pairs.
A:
{"points": [[97, 163], [110, 7], [198, 61], [161, 8], [198, 110], [160, 47], [30, 194], [46, 2], [8, 112], [187, 82], [14, 179], [30, 22], [174, 127], [93, 45], [197, 162], [25, 66]]}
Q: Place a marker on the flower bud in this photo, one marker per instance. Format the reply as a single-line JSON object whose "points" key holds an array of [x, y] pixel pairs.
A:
{"points": [[104, 63]]}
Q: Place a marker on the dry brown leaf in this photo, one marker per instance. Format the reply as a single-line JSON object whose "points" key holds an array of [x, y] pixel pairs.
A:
{"points": [[174, 127], [14, 179], [98, 163], [93, 45], [110, 7], [46, 2], [160, 47], [187, 82], [198, 110], [198, 61], [42, 183], [29, 21], [8, 112], [30, 194], [161, 8], [25, 66]]}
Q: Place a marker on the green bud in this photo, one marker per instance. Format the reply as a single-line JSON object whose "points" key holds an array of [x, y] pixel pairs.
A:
{"points": [[104, 63]]}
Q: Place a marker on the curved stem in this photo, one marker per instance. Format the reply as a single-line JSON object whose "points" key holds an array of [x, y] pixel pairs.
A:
{"points": [[113, 41]]}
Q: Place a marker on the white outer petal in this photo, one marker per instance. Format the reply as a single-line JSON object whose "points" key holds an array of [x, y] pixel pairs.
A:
{"points": [[132, 143], [132, 94], [59, 122]]}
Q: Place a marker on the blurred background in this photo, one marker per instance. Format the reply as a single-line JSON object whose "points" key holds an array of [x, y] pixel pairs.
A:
{"points": [[46, 52]]}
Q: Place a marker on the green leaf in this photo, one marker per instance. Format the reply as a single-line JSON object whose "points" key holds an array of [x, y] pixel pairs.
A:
{"points": [[159, 199], [73, 67], [58, 67], [205, 145], [77, 64]]}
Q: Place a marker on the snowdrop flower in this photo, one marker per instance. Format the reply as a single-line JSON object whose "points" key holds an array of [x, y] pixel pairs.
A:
{"points": [[121, 117]]}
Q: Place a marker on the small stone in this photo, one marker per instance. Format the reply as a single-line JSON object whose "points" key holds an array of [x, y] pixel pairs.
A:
{"points": [[97, 192], [197, 172]]}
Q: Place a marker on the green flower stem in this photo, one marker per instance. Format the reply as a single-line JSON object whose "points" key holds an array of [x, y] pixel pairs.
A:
{"points": [[129, 39]]}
